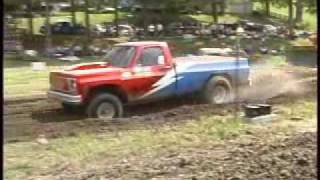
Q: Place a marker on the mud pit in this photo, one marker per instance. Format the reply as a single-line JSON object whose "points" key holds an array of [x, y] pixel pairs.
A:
{"points": [[27, 119], [257, 156]]}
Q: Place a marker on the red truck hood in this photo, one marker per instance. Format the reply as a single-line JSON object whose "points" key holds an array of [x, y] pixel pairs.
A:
{"points": [[90, 69]]}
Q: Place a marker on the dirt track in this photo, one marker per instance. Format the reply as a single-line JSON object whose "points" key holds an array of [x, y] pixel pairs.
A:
{"points": [[29, 118], [258, 155]]}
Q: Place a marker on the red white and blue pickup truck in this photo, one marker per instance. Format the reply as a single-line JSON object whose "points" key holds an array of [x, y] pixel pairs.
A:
{"points": [[135, 72]]}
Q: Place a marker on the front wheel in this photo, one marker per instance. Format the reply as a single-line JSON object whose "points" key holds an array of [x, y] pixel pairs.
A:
{"points": [[218, 90], [105, 106]]}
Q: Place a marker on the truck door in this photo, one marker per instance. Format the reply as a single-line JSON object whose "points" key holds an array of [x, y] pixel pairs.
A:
{"points": [[149, 68]]}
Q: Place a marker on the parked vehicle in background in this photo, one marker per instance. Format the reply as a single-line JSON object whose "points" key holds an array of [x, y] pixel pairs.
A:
{"points": [[222, 52], [110, 30], [140, 72], [64, 27]]}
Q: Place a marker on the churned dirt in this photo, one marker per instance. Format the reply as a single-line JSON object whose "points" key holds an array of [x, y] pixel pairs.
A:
{"points": [[257, 155]]}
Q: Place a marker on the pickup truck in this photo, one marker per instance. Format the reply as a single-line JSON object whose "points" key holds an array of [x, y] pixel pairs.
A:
{"points": [[140, 72]]}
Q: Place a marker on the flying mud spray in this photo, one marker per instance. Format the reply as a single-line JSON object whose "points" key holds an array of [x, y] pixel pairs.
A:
{"points": [[269, 82]]}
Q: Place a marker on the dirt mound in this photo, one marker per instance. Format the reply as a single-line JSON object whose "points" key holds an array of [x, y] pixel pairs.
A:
{"points": [[254, 157]]}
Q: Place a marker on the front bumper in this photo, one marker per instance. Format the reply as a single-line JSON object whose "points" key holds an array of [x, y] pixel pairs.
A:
{"points": [[66, 98]]}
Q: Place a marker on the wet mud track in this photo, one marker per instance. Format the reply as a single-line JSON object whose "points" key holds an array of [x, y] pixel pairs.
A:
{"points": [[26, 119]]}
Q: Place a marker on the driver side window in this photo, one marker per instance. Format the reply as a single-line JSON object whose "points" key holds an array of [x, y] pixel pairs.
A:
{"points": [[150, 56]]}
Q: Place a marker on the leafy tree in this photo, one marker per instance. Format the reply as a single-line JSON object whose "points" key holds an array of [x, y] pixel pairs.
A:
{"points": [[116, 16], [73, 12]]}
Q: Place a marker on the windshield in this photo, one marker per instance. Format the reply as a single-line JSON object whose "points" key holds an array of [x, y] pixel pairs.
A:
{"points": [[120, 56]]}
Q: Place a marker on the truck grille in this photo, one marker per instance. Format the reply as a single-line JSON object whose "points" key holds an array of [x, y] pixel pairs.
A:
{"points": [[58, 83]]}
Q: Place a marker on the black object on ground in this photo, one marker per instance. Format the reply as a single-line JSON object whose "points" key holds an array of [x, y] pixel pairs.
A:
{"points": [[257, 110]]}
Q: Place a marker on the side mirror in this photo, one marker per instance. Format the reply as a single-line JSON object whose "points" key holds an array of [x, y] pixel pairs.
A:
{"points": [[161, 60]]}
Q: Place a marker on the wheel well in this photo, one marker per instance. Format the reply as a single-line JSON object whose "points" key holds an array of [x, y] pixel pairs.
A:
{"points": [[112, 89], [221, 74]]}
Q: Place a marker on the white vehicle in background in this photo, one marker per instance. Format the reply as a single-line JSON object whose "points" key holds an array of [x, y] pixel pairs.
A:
{"points": [[104, 29], [221, 52], [270, 29]]}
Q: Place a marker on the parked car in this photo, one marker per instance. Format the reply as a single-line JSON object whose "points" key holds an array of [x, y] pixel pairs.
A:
{"points": [[221, 52], [64, 27], [110, 30], [140, 72]]}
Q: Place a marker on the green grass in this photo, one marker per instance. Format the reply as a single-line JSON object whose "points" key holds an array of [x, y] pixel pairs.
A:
{"points": [[24, 81], [20, 79], [22, 159], [221, 19], [25, 159], [80, 17], [309, 20]]}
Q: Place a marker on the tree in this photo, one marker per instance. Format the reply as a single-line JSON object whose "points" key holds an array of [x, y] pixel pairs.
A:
{"points": [[267, 5], [290, 17], [48, 33], [73, 12], [299, 11], [311, 6], [30, 16], [116, 16], [87, 21], [214, 11]]}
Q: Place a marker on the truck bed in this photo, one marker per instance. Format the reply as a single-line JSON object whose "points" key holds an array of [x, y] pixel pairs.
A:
{"points": [[193, 72], [205, 59]]}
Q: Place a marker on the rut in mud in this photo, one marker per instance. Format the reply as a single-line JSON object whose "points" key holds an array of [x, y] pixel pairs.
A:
{"points": [[29, 118]]}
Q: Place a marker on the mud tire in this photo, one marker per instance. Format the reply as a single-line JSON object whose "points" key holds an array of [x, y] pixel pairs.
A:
{"points": [[94, 107], [218, 90]]}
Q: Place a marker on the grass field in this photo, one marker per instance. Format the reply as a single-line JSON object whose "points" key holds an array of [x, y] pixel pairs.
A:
{"points": [[20, 79]]}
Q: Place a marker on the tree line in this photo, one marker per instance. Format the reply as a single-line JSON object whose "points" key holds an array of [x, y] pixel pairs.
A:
{"points": [[169, 9]]}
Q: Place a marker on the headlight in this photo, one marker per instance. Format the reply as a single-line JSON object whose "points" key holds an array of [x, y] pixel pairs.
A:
{"points": [[72, 83]]}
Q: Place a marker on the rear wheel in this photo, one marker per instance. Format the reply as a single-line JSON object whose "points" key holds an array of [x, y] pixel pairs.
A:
{"points": [[105, 106], [218, 90]]}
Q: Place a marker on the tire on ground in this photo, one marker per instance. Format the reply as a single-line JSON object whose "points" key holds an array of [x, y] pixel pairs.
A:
{"points": [[97, 100], [218, 90]]}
